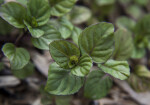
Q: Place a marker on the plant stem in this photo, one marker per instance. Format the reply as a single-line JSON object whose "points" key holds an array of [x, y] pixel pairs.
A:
{"points": [[18, 38]]}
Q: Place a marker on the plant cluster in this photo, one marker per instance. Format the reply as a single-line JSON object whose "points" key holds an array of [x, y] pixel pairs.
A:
{"points": [[94, 45], [76, 52]]}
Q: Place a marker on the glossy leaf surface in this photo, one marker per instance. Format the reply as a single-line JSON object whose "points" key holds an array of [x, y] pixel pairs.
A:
{"points": [[97, 41], [118, 69], [14, 13]]}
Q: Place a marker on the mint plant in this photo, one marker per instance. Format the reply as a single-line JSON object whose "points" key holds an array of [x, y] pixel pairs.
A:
{"points": [[73, 64], [97, 45]]}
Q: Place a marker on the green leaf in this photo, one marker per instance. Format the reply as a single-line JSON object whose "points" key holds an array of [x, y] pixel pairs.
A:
{"points": [[79, 14], [97, 85], [118, 69], [5, 28], [142, 71], [135, 11], [50, 34], [61, 7], [13, 13], [24, 72], [83, 67], [123, 44], [97, 41], [104, 2], [125, 22], [75, 34], [62, 82], [138, 53], [65, 27], [35, 32], [40, 10], [24, 2], [64, 53], [19, 57]]}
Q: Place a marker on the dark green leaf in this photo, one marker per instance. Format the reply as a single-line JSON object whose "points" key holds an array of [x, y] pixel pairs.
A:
{"points": [[19, 57], [61, 7], [97, 85], [64, 53], [62, 82], [83, 67], [123, 44], [50, 34], [118, 69], [97, 41], [14, 13], [24, 72]]}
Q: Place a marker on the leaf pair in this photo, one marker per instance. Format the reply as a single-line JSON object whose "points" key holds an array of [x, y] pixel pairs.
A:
{"points": [[67, 56]]}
